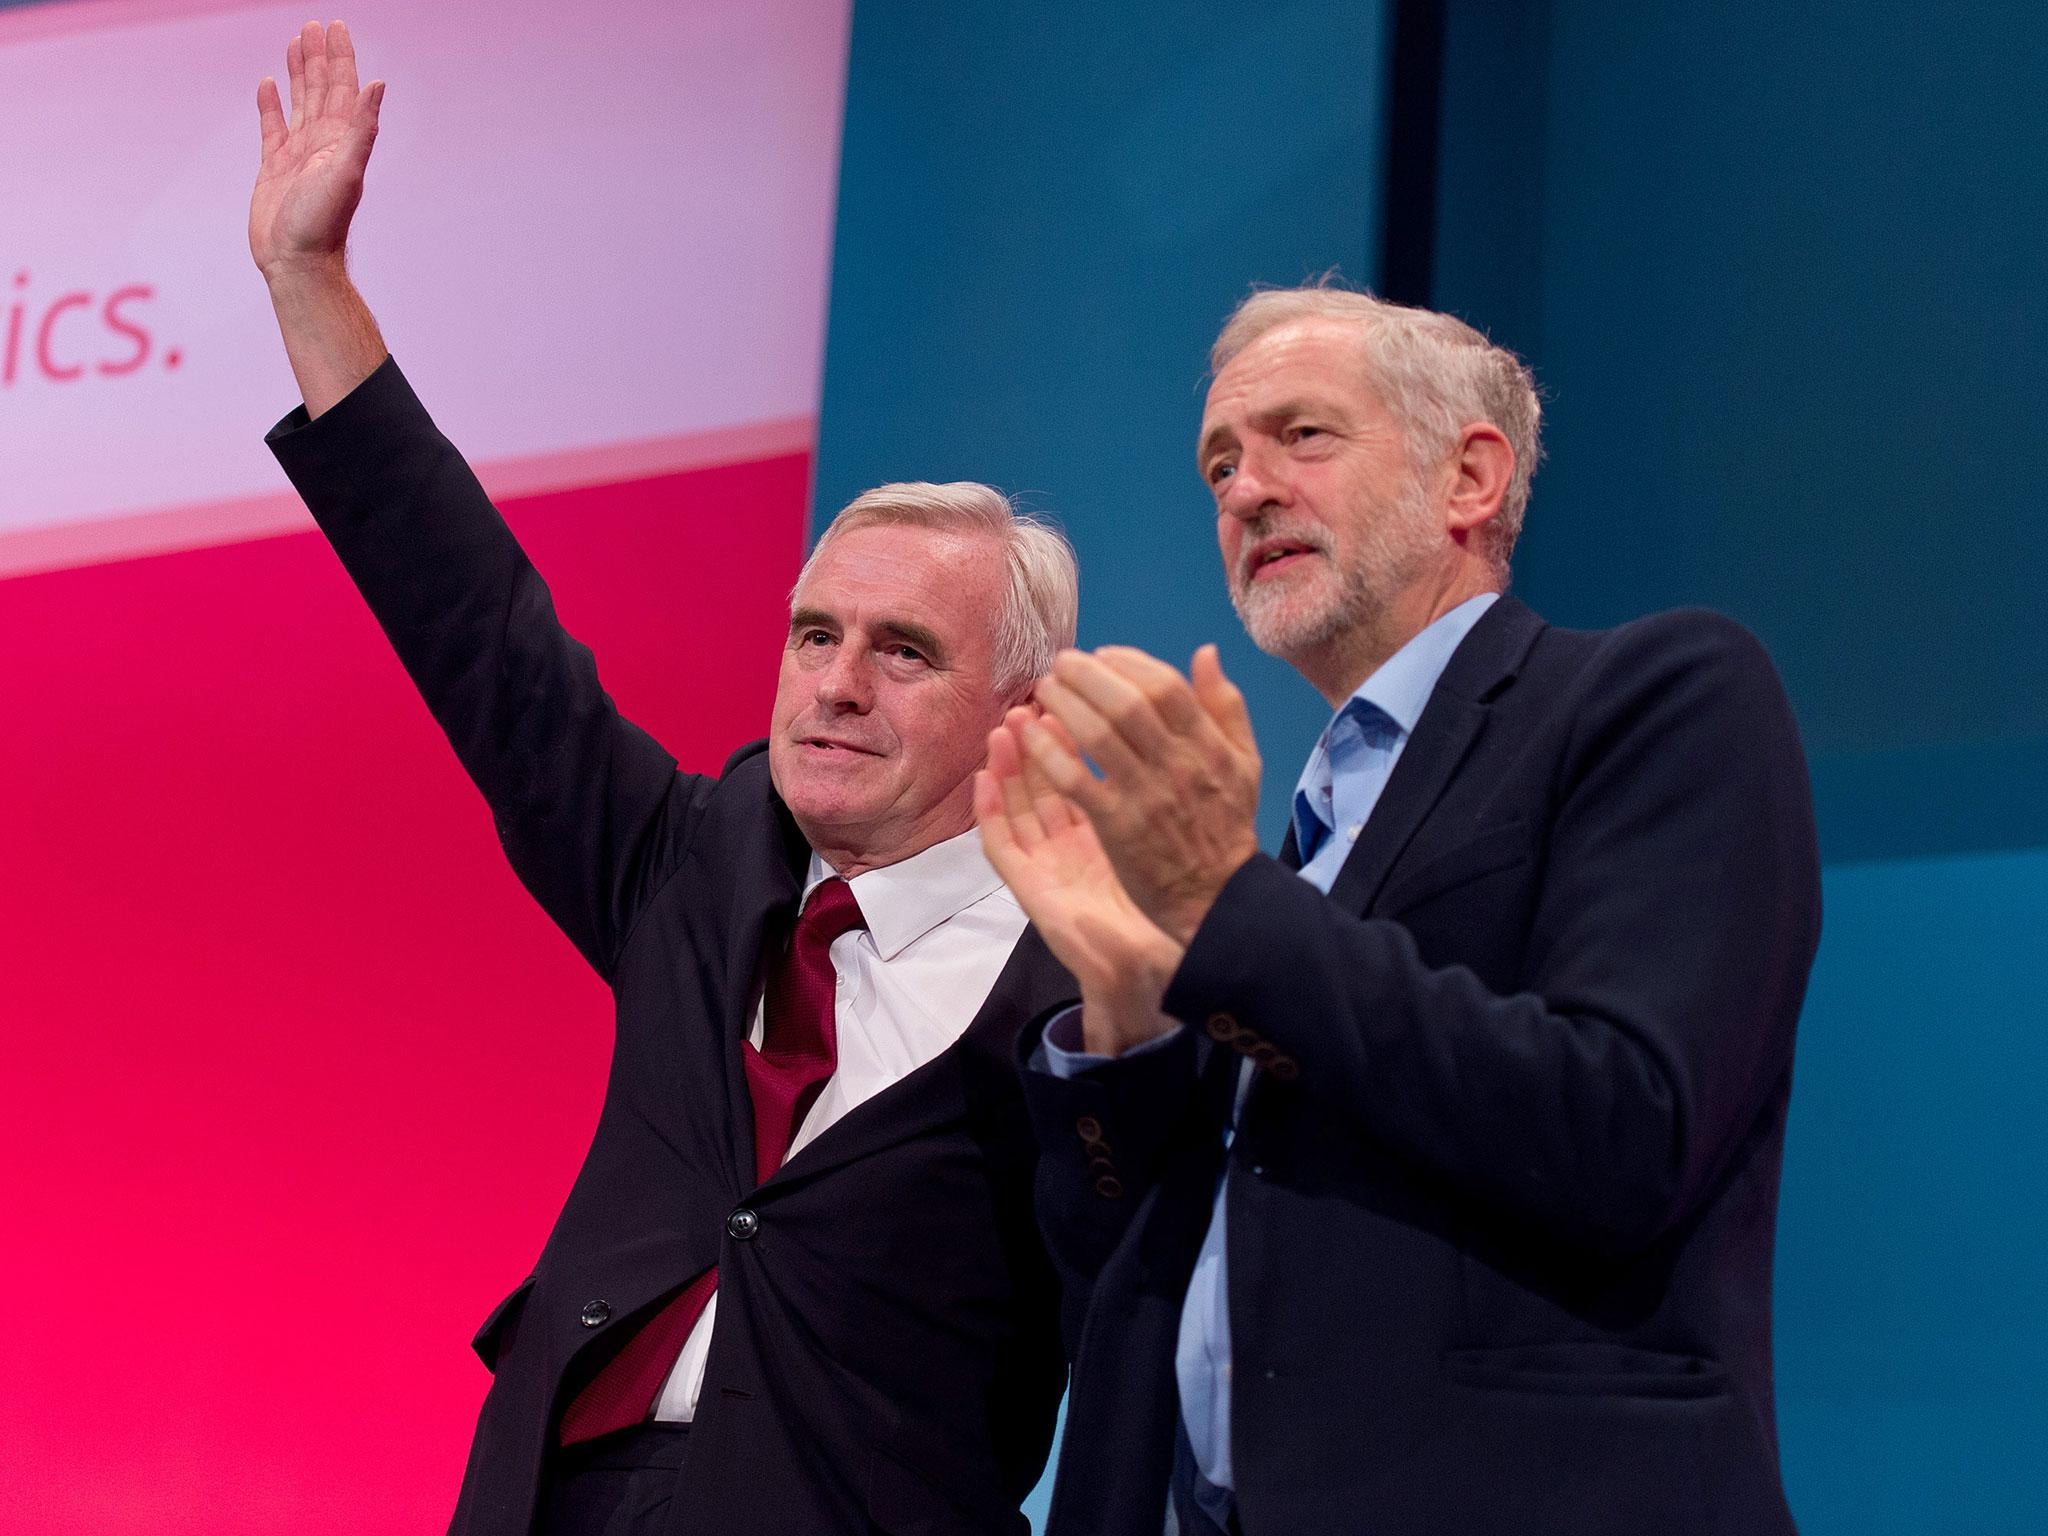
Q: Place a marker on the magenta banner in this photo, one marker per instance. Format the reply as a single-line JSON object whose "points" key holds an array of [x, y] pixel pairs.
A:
{"points": [[293, 1076]]}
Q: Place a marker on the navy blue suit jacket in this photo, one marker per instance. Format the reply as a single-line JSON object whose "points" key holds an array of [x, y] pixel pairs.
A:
{"points": [[1501, 1198]]}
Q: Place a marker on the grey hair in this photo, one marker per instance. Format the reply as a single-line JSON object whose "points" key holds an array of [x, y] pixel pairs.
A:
{"points": [[1434, 372], [1042, 603]]}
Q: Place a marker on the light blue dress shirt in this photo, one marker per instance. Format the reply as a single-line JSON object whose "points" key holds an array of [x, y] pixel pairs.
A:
{"points": [[1350, 766]]}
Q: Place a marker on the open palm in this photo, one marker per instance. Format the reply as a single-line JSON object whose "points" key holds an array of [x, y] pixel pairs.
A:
{"points": [[1048, 854], [312, 173]]}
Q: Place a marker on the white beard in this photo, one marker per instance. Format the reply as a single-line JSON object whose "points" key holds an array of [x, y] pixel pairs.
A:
{"points": [[1305, 609]]}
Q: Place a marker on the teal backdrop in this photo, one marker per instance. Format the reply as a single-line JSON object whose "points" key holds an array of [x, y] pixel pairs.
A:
{"points": [[1779, 269], [1779, 266], [1045, 212]]}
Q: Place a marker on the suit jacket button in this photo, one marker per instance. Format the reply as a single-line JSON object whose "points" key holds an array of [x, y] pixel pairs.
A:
{"points": [[1222, 1026], [596, 1314], [1285, 1068], [742, 1224], [1088, 1128], [1110, 1187]]}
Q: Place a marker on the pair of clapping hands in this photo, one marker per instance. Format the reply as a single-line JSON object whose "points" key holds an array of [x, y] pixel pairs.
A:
{"points": [[1117, 870]]}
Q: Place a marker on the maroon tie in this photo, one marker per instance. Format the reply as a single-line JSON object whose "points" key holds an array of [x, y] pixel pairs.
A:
{"points": [[799, 1049]]}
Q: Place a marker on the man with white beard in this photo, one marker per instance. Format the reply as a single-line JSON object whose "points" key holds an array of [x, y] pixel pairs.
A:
{"points": [[1423, 1178]]}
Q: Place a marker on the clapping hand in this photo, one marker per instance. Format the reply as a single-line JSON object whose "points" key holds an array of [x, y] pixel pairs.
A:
{"points": [[1048, 854], [1175, 806]]}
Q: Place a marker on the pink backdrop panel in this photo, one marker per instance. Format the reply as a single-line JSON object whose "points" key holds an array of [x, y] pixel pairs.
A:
{"points": [[293, 1075], [296, 1074], [588, 231]]}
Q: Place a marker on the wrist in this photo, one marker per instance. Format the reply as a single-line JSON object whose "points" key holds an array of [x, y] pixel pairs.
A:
{"points": [[1122, 1008], [1112, 1025], [306, 271], [1184, 915]]}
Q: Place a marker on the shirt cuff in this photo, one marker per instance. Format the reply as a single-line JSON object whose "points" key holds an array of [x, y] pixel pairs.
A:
{"points": [[1061, 1052]]}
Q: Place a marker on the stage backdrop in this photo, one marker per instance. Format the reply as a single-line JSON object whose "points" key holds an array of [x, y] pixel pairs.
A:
{"points": [[292, 1075], [1780, 269]]}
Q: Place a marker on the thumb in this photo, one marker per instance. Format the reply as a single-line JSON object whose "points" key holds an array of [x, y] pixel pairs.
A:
{"points": [[362, 125], [1221, 698]]}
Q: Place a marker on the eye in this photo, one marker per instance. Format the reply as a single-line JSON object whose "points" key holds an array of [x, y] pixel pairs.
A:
{"points": [[1299, 433], [1220, 471], [814, 637], [905, 652]]}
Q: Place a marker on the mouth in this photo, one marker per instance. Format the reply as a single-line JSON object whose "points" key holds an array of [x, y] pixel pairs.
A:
{"points": [[1273, 557], [826, 747]]}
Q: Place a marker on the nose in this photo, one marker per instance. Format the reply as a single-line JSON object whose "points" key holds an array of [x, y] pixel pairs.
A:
{"points": [[1254, 485], [845, 686]]}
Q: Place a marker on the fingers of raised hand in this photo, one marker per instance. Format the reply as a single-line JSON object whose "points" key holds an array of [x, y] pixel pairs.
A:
{"points": [[1222, 700], [270, 115], [295, 72], [319, 72], [341, 55], [363, 127]]}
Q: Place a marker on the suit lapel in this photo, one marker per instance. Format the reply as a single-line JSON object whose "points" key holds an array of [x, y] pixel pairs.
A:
{"points": [[1031, 982], [767, 887], [1484, 662]]}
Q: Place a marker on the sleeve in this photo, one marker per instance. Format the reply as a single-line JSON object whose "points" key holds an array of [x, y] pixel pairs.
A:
{"points": [[1106, 1135], [1062, 1053], [1674, 927], [591, 811]]}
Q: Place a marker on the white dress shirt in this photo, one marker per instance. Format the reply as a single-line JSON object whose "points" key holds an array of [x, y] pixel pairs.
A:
{"points": [[940, 927]]}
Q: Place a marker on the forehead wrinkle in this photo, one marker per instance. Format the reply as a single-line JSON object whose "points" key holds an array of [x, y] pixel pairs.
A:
{"points": [[865, 587]]}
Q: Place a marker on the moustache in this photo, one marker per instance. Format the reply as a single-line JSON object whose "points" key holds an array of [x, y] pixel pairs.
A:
{"points": [[1310, 537]]}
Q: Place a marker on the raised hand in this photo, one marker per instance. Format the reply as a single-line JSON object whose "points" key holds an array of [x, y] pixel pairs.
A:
{"points": [[1049, 856], [312, 173], [1175, 807]]}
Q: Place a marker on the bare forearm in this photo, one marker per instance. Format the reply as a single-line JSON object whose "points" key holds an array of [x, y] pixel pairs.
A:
{"points": [[329, 334]]}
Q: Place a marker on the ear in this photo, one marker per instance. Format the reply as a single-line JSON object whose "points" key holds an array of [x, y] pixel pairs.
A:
{"points": [[1480, 468]]}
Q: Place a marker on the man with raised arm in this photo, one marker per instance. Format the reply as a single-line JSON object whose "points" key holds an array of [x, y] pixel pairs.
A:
{"points": [[797, 1287], [1420, 1180]]}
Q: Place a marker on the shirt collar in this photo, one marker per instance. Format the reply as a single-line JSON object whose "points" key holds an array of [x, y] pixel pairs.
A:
{"points": [[1401, 687], [1398, 691], [904, 901]]}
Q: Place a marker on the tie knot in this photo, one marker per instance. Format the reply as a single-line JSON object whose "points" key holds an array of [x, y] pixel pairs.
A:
{"points": [[831, 911]]}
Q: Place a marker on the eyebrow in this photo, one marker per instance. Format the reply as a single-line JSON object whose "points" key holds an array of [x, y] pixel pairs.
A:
{"points": [[811, 618], [906, 630], [1299, 405], [915, 635]]}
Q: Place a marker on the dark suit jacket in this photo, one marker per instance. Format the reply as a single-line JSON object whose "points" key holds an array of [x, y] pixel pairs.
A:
{"points": [[887, 1354], [1501, 1198]]}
